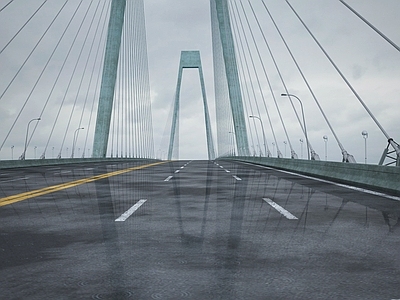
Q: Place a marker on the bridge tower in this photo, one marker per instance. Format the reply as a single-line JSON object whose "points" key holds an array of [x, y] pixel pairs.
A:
{"points": [[226, 66], [191, 59], [110, 68]]}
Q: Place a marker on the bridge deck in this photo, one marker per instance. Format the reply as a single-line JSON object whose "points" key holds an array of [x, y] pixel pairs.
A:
{"points": [[207, 230]]}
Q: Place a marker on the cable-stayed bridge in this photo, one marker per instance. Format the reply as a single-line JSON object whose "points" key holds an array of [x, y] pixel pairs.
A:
{"points": [[58, 78], [93, 202]]}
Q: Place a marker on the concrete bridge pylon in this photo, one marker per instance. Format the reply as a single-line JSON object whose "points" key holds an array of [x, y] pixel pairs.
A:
{"points": [[190, 59]]}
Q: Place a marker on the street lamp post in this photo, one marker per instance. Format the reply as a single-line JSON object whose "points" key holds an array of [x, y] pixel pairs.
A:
{"points": [[273, 148], [263, 131], [304, 121], [34, 150], [232, 142], [326, 146], [364, 133], [301, 142], [285, 143], [26, 137], [74, 141], [12, 152]]}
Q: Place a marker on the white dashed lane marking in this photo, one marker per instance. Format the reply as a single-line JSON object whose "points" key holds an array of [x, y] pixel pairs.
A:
{"points": [[17, 179], [130, 211], [279, 208], [168, 178]]}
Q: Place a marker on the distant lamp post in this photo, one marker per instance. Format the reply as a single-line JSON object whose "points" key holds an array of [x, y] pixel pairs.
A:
{"points": [[232, 142], [12, 152], [262, 127], [285, 143], [301, 142], [273, 148], [34, 151], [326, 146], [52, 152], [364, 133], [304, 121], [74, 141], [26, 138]]}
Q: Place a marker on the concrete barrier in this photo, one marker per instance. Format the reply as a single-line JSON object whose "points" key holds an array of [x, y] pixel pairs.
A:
{"points": [[378, 178], [9, 164]]}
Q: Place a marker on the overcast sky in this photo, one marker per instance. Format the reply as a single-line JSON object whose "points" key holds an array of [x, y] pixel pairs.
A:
{"points": [[370, 64]]}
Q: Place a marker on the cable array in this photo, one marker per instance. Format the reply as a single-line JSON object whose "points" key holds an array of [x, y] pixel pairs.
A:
{"points": [[56, 78], [132, 132], [264, 80]]}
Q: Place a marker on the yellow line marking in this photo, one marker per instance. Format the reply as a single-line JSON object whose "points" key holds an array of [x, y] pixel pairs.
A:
{"points": [[59, 187]]}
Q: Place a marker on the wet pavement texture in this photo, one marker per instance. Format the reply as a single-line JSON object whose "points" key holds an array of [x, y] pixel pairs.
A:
{"points": [[207, 230]]}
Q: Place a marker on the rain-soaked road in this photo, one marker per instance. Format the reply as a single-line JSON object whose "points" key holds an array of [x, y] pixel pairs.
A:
{"points": [[193, 230]]}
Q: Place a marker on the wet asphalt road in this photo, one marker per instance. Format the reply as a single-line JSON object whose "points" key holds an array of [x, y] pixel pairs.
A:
{"points": [[204, 230]]}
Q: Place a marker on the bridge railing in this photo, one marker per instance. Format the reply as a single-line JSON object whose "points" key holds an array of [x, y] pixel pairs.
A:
{"points": [[10, 164], [377, 178]]}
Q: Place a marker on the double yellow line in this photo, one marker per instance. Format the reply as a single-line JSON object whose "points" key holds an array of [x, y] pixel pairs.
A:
{"points": [[59, 187]]}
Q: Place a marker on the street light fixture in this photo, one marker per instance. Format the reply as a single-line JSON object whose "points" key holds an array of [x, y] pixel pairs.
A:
{"points": [[74, 141], [304, 121], [364, 133], [26, 137], [265, 141], [12, 152], [326, 146]]}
